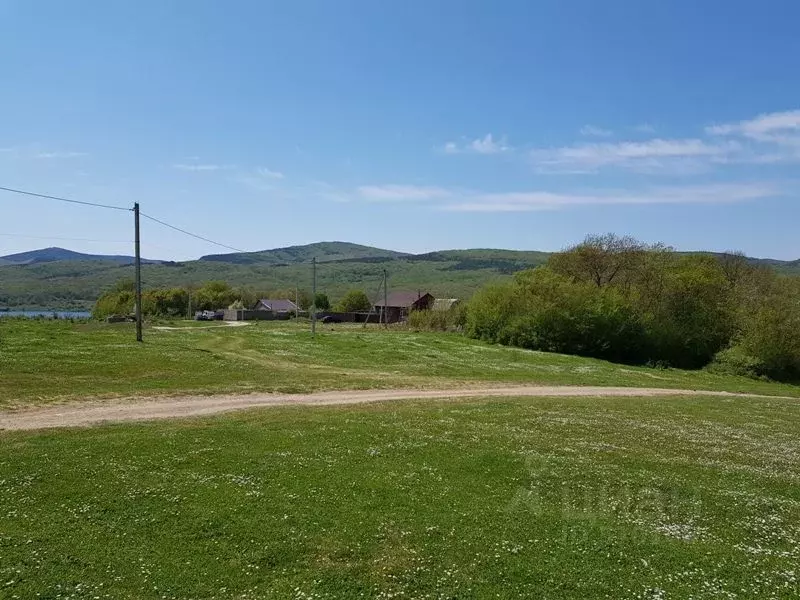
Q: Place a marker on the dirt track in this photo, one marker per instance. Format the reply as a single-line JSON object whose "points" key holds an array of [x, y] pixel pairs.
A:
{"points": [[91, 413]]}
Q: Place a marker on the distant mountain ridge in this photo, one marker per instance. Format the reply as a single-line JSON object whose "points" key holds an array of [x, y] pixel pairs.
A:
{"points": [[322, 251], [55, 278], [330, 252], [46, 255]]}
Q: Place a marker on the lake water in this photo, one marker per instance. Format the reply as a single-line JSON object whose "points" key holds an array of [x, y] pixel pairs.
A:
{"points": [[61, 314]]}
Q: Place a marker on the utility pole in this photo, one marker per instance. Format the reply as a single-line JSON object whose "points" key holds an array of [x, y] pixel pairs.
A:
{"points": [[296, 303], [385, 301], [314, 297], [138, 269]]}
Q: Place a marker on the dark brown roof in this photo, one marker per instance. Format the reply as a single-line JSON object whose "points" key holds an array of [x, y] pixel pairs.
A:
{"points": [[403, 299]]}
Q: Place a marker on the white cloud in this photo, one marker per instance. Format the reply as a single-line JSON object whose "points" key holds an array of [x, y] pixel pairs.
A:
{"points": [[645, 128], [764, 127], [451, 148], [484, 145], [269, 174], [399, 193], [200, 167], [488, 145], [776, 136], [261, 179], [465, 200], [60, 154], [651, 155], [542, 200], [595, 131]]}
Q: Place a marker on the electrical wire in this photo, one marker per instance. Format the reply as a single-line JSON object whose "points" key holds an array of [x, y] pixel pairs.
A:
{"points": [[98, 205], [189, 233], [60, 199]]}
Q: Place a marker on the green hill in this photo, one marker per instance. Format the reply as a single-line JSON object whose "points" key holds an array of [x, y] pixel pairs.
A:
{"points": [[341, 266], [322, 251], [46, 255]]}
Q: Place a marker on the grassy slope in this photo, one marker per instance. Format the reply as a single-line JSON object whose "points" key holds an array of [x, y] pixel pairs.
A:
{"points": [[43, 361], [531, 498]]}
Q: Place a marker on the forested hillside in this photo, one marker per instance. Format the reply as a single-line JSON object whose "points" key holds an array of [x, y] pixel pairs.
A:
{"points": [[341, 266]]}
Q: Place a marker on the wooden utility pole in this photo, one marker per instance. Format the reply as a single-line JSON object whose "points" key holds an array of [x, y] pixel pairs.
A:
{"points": [[138, 269], [385, 301], [314, 296]]}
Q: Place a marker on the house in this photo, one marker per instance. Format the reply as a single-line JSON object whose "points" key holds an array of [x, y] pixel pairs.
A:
{"points": [[276, 305], [445, 304], [399, 304]]}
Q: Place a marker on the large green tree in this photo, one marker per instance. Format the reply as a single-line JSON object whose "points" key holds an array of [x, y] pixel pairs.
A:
{"points": [[321, 301], [354, 301]]}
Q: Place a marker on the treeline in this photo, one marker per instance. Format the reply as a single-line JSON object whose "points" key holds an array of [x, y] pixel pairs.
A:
{"points": [[619, 299], [179, 301], [213, 295]]}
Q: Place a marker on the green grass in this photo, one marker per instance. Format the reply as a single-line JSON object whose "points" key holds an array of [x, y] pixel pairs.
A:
{"points": [[46, 361], [517, 498]]}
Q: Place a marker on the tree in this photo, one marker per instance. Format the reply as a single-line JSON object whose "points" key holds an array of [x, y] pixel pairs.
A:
{"points": [[734, 266], [354, 301], [603, 259], [321, 301], [124, 285], [214, 295]]}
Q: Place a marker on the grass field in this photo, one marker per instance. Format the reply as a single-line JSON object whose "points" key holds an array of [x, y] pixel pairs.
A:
{"points": [[47, 361], [514, 498]]}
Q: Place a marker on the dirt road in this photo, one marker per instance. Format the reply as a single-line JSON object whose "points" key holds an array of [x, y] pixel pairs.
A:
{"points": [[91, 413]]}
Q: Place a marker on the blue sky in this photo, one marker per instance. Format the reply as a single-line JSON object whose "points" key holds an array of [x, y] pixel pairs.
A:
{"points": [[415, 125]]}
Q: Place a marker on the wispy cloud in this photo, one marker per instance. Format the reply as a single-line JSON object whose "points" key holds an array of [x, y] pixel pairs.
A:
{"points": [[269, 173], [200, 167], [401, 193], [261, 179], [655, 154], [61, 154], [766, 127], [595, 131], [465, 200], [543, 200], [485, 145], [774, 137]]}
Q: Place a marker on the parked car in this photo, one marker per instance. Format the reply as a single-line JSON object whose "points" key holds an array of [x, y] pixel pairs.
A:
{"points": [[205, 315], [330, 319]]}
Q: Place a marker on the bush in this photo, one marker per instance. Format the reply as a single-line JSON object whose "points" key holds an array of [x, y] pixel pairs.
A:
{"points": [[542, 310], [438, 320], [635, 304], [691, 319], [772, 333], [735, 361]]}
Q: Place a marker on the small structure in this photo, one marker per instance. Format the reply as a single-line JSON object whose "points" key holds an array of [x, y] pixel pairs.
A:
{"points": [[266, 309], [399, 304], [445, 304], [276, 305]]}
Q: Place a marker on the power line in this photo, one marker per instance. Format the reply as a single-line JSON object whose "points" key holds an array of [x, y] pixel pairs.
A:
{"points": [[25, 193], [189, 233], [72, 201]]}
